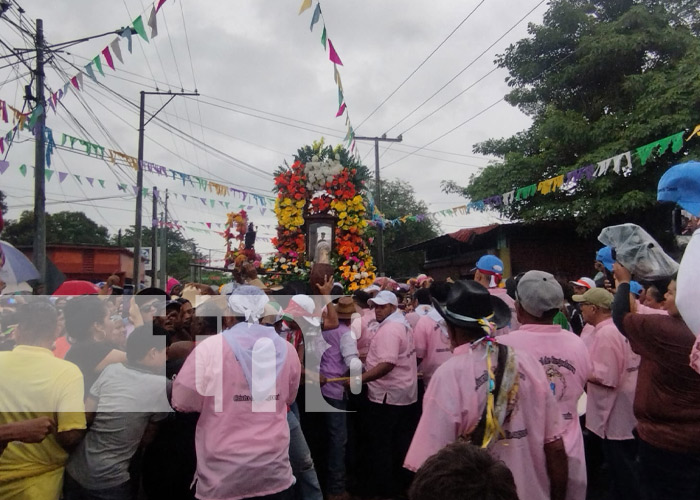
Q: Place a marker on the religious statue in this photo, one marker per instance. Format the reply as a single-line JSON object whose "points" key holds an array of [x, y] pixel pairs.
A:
{"points": [[250, 237], [323, 251]]}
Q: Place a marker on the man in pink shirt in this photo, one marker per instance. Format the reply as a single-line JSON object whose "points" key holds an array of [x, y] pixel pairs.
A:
{"points": [[364, 325], [527, 434], [422, 305], [430, 335], [391, 377], [611, 387], [240, 382], [489, 272], [563, 356]]}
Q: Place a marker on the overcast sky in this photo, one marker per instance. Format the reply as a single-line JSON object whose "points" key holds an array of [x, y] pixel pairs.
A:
{"points": [[258, 57]]}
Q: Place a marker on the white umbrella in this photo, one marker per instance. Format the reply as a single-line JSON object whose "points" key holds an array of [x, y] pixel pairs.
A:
{"points": [[16, 267]]}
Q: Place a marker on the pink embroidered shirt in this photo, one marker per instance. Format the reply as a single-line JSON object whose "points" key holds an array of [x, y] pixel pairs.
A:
{"points": [[565, 360], [363, 329], [241, 453], [393, 343], [612, 384], [432, 344], [502, 294], [453, 405]]}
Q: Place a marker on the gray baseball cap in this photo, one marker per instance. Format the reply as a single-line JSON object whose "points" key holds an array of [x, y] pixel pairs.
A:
{"points": [[539, 292]]}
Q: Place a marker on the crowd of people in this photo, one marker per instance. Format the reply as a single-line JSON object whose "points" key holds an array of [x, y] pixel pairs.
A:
{"points": [[528, 387]]}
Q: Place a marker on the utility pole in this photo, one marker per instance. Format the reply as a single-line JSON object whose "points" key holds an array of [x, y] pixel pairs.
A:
{"points": [[154, 239], [39, 247], [378, 195], [138, 229], [164, 246], [193, 269]]}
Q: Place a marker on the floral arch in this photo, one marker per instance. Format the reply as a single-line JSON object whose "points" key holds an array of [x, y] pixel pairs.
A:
{"points": [[323, 180]]}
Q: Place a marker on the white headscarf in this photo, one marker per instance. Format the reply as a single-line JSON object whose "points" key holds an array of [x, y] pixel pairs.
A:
{"points": [[257, 348], [249, 302]]}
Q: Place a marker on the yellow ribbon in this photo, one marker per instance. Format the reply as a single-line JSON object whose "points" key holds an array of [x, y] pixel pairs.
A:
{"points": [[493, 427]]}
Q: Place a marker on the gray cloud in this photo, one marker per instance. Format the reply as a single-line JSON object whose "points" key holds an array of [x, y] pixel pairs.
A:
{"points": [[260, 54]]}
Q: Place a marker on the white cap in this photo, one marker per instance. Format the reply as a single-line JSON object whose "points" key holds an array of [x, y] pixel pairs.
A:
{"points": [[384, 297], [585, 282], [304, 306], [371, 288]]}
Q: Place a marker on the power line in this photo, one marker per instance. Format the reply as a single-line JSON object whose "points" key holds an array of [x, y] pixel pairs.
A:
{"points": [[448, 132], [467, 66], [421, 64], [191, 139], [451, 100], [318, 129]]}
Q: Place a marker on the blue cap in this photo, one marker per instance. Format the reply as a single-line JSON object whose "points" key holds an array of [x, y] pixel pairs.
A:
{"points": [[681, 184], [604, 255], [636, 288], [491, 264]]}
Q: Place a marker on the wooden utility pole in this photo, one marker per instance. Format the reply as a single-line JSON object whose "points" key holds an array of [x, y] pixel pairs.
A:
{"points": [[154, 239], [164, 246], [39, 247], [378, 195], [138, 229]]}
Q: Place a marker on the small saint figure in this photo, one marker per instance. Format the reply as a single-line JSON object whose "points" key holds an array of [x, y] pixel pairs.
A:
{"points": [[250, 237], [323, 251]]}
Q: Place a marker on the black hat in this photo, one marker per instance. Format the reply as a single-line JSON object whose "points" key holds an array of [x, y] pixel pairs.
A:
{"points": [[468, 302]]}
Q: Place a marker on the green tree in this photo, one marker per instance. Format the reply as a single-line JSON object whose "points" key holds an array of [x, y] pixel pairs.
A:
{"points": [[398, 200], [598, 78], [3, 205], [179, 250], [72, 228]]}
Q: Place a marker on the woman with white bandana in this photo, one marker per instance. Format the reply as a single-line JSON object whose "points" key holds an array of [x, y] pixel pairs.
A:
{"points": [[241, 382]]}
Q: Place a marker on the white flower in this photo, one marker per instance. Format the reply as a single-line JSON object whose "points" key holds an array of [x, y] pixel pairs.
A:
{"points": [[282, 260]]}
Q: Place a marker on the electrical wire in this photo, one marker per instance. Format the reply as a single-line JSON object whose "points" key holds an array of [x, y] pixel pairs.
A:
{"points": [[183, 135], [318, 129], [501, 37], [421, 64], [473, 117]]}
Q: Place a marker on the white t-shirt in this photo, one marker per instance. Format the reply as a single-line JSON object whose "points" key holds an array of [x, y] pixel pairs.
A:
{"points": [[128, 399]]}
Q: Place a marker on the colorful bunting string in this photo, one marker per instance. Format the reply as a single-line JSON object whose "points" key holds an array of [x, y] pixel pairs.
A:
{"points": [[112, 48], [335, 59], [77, 144], [620, 164], [262, 203]]}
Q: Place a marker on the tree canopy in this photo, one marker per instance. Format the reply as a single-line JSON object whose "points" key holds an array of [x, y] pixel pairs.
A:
{"points": [[399, 199], [598, 78], [3, 205], [179, 249], [72, 228]]}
